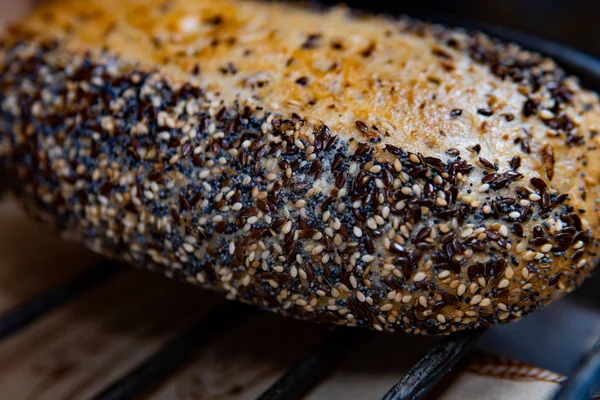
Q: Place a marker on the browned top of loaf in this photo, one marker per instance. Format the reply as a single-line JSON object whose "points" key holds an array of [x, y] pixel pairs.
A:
{"points": [[421, 93]]}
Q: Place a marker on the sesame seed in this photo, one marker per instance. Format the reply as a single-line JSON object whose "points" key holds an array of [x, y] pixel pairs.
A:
{"points": [[466, 233], [558, 225], [441, 318], [514, 214], [385, 212], [397, 165], [360, 296], [317, 250], [301, 302], [503, 283], [287, 227], [476, 300], [353, 281], [357, 231], [406, 191], [461, 289], [302, 274], [419, 276], [546, 248], [441, 202], [444, 274], [300, 204], [372, 224], [473, 287], [337, 240], [337, 224], [164, 135], [386, 307]]}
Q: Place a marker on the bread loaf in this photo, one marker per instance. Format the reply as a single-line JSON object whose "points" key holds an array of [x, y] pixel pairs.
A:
{"points": [[350, 169]]}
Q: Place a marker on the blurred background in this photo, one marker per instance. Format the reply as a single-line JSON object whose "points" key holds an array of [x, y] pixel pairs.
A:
{"points": [[572, 22]]}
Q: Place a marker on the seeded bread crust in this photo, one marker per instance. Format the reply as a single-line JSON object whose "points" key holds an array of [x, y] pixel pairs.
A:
{"points": [[355, 170]]}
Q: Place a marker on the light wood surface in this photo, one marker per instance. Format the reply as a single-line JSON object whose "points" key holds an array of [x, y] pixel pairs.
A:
{"points": [[76, 351], [244, 361], [32, 259]]}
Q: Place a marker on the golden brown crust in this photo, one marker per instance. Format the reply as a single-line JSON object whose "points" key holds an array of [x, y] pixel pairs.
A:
{"points": [[379, 173]]}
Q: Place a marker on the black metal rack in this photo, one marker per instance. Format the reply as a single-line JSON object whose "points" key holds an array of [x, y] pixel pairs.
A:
{"points": [[307, 373]]}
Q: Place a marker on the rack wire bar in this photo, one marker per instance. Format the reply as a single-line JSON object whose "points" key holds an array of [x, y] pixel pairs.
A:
{"points": [[585, 381], [172, 355], [307, 373], [430, 369], [41, 304]]}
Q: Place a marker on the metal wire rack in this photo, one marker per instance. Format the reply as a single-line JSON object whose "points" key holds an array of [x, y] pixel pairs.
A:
{"points": [[311, 370]]}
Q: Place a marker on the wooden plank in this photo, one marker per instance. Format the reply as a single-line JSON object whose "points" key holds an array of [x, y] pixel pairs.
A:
{"points": [[17, 319], [32, 258], [373, 367], [244, 361], [82, 348], [161, 364]]}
